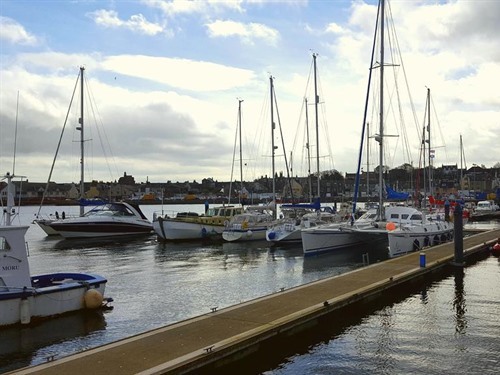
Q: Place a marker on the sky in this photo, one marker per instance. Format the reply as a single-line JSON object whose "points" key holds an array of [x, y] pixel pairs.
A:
{"points": [[164, 78]]}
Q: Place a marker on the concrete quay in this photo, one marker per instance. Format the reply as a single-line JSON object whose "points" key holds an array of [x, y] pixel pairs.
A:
{"points": [[208, 342]]}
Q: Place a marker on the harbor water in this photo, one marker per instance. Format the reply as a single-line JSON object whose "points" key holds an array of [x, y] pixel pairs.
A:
{"points": [[449, 325]]}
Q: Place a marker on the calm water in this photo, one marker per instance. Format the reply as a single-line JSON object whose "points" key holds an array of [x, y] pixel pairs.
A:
{"points": [[449, 325]]}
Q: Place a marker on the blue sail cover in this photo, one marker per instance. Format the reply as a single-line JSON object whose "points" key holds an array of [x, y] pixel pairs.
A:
{"points": [[393, 194], [316, 205]]}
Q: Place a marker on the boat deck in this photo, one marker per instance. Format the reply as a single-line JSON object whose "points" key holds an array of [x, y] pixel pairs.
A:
{"points": [[231, 332]]}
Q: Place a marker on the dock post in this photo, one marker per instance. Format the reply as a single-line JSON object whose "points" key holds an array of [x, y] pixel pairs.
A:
{"points": [[459, 236], [422, 259]]}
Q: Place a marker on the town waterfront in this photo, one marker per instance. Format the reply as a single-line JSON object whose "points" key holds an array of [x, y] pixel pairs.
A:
{"points": [[154, 284]]}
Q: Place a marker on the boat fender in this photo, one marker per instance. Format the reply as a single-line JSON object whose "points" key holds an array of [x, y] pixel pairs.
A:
{"points": [[390, 226], [203, 232], [226, 223], [93, 299], [24, 311], [271, 235], [249, 233]]}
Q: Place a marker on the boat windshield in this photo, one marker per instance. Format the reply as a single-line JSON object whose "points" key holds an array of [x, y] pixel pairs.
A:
{"points": [[110, 210]]}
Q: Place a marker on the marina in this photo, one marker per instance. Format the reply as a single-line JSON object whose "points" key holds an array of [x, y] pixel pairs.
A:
{"points": [[155, 284]]}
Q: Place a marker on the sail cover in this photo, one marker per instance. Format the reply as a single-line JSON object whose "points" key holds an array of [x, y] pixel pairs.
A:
{"points": [[396, 195]]}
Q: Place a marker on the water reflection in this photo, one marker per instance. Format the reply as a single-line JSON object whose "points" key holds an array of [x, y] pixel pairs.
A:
{"points": [[459, 302], [18, 345]]}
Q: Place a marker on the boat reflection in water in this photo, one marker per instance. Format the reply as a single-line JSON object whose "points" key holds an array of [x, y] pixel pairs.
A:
{"points": [[48, 339]]}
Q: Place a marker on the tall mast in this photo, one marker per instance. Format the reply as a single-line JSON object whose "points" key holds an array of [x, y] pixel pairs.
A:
{"points": [[241, 157], [82, 150], [273, 126], [368, 161], [381, 114], [429, 138], [316, 101], [308, 152]]}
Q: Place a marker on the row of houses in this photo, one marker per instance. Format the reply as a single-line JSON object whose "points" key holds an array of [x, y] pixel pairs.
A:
{"points": [[334, 186]]}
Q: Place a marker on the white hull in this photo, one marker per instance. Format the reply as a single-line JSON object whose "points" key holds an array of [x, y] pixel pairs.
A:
{"points": [[364, 231], [415, 237], [284, 233], [250, 234], [43, 224], [178, 230], [43, 303], [330, 238]]}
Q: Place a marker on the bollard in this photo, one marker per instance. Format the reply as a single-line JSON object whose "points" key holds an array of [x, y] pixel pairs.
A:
{"points": [[422, 260]]}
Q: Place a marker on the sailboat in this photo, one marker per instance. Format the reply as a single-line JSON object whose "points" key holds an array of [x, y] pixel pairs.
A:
{"points": [[301, 216], [436, 227], [111, 219], [251, 225], [372, 227]]}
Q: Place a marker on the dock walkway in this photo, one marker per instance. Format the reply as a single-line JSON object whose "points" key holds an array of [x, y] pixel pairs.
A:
{"points": [[229, 332]]}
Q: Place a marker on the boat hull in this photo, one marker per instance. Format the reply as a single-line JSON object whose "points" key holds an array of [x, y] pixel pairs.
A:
{"points": [[321, 240], [51, 295], [175, 230], [101, 228], [411, 238], [286, 233], [249, 234], [44, 225]]}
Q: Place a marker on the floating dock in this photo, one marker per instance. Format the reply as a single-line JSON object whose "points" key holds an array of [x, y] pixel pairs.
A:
{"points": [[220, 337]]}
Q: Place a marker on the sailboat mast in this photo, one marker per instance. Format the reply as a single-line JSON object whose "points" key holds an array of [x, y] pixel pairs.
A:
{"points": [[308, 152], [316, 102], [241, 154], [82, 150], [429, 138], [381, 114], [272, 138], [368, 161]]}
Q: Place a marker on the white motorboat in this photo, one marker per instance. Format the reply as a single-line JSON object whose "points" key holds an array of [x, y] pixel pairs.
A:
{"points": [[192, 226], [25, 298], [111, 219]]}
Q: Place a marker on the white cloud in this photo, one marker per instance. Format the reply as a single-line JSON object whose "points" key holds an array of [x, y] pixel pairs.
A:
{"points": [[136, 23], [247, 32], [180, 73], [13, 32], [173, 8]]}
